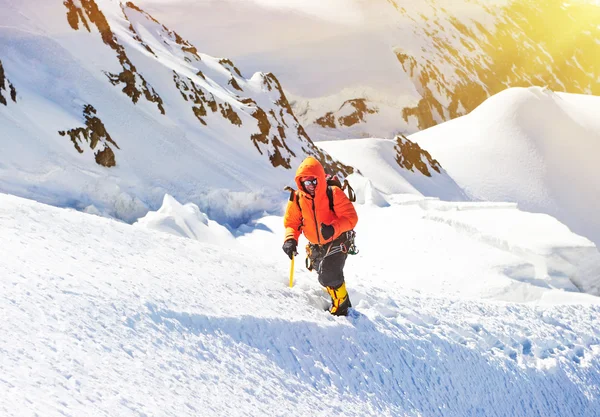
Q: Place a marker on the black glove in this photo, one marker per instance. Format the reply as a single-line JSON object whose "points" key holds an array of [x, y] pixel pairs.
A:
{"points": [[289, 247], [327, 231]]}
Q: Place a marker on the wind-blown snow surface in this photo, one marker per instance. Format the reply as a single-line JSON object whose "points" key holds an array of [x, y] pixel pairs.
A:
{"points": [[530, 146], [104, 318]]}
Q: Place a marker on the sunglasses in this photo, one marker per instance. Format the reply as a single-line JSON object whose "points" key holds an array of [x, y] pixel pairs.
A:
{"points": [[310, 182]]}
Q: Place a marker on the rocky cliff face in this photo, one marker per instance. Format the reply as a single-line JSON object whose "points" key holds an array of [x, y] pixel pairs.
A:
{"points": [[115, 110], [547, 43], [454, 62], [7, 90], [410, 156], [95, 136], [349, 114], [86, 14], [212, 88]]}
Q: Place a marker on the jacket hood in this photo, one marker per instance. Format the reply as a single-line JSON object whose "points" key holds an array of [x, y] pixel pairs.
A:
{"points": [[310, 167]]}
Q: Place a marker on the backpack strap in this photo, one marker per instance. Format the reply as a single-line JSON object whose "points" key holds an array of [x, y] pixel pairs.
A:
{"points": [[330, 197], [351, 193], [292, 192], [294, 196]]}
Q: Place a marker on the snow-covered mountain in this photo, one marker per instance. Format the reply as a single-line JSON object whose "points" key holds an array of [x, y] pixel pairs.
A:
{"points": [[104, 108], [530, 146], [461, 307], [382, 67]]}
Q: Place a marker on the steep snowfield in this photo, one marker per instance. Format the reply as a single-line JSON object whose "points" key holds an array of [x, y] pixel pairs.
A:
{"points": [[530, 146], [104, 318], [113, 110]]}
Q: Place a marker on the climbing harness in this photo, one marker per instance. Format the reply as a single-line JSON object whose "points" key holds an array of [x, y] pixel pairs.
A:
{"points": [[316, 254]]}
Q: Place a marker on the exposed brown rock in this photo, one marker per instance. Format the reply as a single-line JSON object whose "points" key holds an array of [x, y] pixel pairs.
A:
{"points": [[235, 84], [264, 126], [74, 15], [277, 158], [191, 92], [105, 157], [230, 66], [326, 121], [94, 133], [211, 102], [282, 101], [248, 101], [275, 153], [409, 155], [279, 144], [358, 115], [129, 75], [230, 114]]}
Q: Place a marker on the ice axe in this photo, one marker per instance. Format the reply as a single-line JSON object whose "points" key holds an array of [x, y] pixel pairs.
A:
{"points": [[292, 272]]}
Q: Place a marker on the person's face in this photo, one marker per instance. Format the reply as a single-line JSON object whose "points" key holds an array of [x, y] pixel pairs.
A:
{"points": [[309, 184]]}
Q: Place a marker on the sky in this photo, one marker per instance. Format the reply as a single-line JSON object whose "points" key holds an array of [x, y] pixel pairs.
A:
{"points": [[337, 11]]}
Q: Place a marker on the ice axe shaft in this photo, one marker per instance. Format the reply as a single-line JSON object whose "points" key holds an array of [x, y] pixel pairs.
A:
{"points": [[292, 272]]}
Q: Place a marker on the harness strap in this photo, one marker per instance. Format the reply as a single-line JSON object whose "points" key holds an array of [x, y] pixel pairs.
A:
{"points": [[331, 250]]}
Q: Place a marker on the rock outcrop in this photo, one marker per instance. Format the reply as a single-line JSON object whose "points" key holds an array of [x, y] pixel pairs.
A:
{"points": [[134, 83], [409, 155], [212, 86], [211, 95], [6, 88], [94, 134], [352, 112]]}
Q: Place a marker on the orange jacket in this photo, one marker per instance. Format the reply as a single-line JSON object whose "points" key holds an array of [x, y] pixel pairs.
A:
{"points": [[313, 211]]}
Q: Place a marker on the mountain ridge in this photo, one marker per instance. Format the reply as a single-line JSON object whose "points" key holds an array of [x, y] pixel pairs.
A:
{"points": [[177, 96]]}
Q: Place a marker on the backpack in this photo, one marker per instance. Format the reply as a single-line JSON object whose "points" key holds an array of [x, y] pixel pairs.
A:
{"points": [[334, 181]]}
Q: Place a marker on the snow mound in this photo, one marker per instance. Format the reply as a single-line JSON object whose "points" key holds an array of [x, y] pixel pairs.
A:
{"points": [[366, 193], [185, 221], [530, 146]]}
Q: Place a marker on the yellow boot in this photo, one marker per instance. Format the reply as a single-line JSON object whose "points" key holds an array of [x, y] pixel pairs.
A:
{"points": [[340, 302]]}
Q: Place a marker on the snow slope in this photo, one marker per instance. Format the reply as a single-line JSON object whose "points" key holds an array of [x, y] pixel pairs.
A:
{"points": [[530, 146], [380, 163], [112, 110], [103, 318]]}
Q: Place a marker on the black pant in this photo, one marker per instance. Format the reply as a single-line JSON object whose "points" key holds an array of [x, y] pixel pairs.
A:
{"points": [[331, 273], [329, 267]]}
